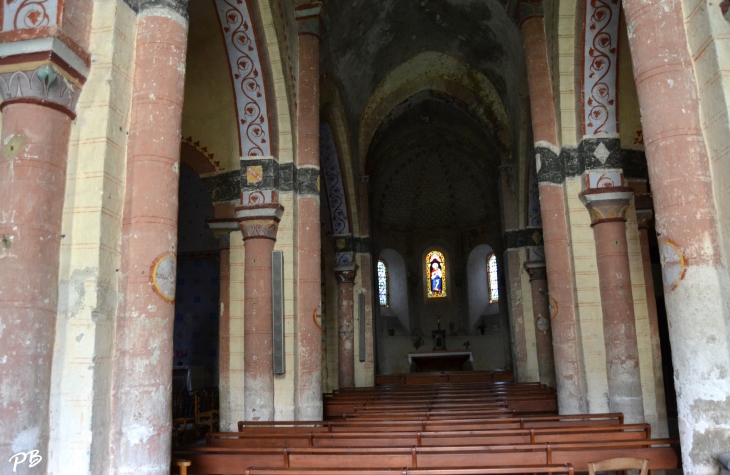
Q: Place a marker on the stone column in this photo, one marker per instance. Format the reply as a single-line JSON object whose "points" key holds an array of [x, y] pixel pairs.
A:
{"points": [[309, 329], [38, 105], [259, 225], [644, 215], [607, 207], [543, 330], [142, 380], [570, 380], [345, 327], [694, 261]]}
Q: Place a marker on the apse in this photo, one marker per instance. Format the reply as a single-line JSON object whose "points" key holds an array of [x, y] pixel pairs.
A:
{"points": [[434, 171]]}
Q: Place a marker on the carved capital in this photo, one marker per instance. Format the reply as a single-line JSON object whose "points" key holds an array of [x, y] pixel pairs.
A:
{"points": [[607, 204], [529, 9], [259, 221], [44, 85], [311, 19], [346, 276], [536, 270]]}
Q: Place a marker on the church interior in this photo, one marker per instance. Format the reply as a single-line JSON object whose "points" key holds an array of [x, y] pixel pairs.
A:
{"points": [[440, 237]]}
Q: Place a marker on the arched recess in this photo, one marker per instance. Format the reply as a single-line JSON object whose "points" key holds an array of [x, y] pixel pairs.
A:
{"points": [[332, 111], [440, 73], [478, 290], [334, 187], [397, 288]]}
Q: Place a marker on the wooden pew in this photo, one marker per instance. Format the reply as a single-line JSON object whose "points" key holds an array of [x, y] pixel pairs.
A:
{"points": [[662, 454], [531, 422], [518, 469], [430, 439]]}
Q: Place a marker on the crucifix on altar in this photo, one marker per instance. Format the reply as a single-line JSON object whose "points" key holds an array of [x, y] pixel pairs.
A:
{"points": [[438, 335]]}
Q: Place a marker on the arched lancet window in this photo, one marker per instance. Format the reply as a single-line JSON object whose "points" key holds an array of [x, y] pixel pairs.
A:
{"points": [[383, 283], [435, 274], [492, 281]]}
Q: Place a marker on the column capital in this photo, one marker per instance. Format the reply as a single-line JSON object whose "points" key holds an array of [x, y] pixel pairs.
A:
{"points": [[259, 222], [346, 276], [607, 204], [527, 9], [536, 270], [311, 19], [48, 85]]}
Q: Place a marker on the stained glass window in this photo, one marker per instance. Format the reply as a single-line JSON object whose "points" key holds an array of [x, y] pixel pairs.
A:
{"points": [[435, 274], [492, 280], [383, 283]]}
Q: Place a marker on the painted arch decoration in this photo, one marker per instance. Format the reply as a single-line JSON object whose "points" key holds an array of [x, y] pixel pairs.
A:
{"points": [[435, 275], [333, 184], [247, 75], [600, 65]]}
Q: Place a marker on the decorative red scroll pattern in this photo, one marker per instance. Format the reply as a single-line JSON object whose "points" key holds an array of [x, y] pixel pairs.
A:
{"points": [[600, 65], [23, 14], [247, 77]]}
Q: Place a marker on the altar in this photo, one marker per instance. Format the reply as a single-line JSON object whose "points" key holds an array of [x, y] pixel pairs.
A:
{"points": [[425, 361]]}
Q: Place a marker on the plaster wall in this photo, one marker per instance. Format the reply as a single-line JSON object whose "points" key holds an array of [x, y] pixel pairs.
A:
{"points": [[364, 370], [532, 372], [629, 117], [277, 18], [516, 309], [89, 258], [588, 297], [285, 242], [397, 288], [209, 114], [330, 374]]}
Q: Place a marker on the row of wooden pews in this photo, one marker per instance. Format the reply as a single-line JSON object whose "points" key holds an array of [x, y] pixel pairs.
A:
{"points": [[467, 428]]}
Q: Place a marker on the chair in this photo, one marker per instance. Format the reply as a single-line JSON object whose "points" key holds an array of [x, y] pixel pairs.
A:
{"points": [[206, 416], [619, 464], [183, 417]]}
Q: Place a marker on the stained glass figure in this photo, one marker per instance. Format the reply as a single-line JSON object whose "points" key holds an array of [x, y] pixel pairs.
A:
{"points": [[435, 274], [383, 283], [492, 280]]}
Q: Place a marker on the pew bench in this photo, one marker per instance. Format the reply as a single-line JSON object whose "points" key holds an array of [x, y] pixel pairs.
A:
{"points": [[662, 454]]}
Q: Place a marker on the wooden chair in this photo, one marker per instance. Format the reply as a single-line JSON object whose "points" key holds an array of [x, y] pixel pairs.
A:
{"points": [[619, 464], [206, 417], [183, 418]]}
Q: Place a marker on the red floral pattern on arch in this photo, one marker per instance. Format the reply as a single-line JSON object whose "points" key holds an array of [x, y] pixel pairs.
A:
{"points": [[247, 76], [25, 14], [600, 65]]}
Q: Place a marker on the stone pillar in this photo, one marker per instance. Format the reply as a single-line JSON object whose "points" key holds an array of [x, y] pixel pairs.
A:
{"points": [[345, 327], [309, 328], [142, 380], [607, 207], [38, 105], [259, 225], [694, 261], [570, 380], [644, 217], [543, 330]]}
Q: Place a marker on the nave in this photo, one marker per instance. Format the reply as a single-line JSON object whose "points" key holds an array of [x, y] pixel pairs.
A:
{"points": [[468, 426]]}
